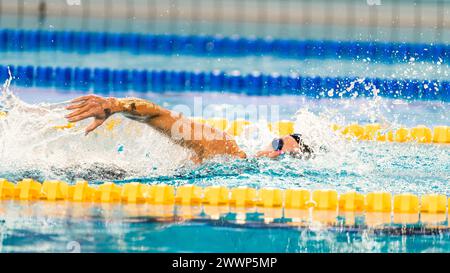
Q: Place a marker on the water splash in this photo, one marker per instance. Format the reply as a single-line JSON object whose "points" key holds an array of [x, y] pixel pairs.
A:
{"points": [[30, 145]]}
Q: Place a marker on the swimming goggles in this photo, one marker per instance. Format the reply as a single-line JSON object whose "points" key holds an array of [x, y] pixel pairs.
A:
{"points": [[278, 143]]}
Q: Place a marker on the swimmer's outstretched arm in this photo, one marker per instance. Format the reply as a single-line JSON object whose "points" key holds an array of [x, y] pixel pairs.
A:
{"points": [[204, 140]]}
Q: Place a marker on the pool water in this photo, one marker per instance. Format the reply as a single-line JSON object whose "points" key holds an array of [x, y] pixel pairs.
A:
{"points": [[62, 227], [31, 148], [147, 157]]}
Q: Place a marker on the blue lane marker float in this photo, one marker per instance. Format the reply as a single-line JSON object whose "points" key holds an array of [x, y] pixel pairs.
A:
{"points": [[255, 84], [82, 78], [203, 45], [63, 78], [140, 80], [44, 76]]}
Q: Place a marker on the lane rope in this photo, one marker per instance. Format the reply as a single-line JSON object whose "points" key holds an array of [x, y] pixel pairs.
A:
{"points": [[104, 80], [94, 42], [242, 197]]}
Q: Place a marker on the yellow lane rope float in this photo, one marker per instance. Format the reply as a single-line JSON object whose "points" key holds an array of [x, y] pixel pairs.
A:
{"points": [[244, 197], [370, 132]]}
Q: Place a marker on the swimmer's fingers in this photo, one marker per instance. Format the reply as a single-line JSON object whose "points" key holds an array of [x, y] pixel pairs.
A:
{"points": [[83, 98], [82, 116], [78, 112], [94, 125], [76, 105], [274, 154], [262, 153], [266, 153], [269, 154]]}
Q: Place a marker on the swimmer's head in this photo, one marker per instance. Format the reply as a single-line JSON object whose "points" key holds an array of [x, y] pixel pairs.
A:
{"points": [[288, 144]]}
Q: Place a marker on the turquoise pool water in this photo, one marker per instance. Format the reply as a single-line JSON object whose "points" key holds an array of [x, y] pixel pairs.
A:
{"points": [[147, 157], [50, 227], [30, 147]]}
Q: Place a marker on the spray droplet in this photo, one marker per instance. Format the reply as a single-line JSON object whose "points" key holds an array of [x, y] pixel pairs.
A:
{"points": [[120, 148]]}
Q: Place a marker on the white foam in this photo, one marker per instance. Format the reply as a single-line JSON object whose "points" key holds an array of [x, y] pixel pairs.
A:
{"points": [[29, 141]]}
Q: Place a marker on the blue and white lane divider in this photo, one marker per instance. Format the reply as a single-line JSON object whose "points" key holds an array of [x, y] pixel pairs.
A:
{"points": [[256, 84], [87, 42]]}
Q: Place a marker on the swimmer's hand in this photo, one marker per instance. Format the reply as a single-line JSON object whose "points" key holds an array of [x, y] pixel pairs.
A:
{"points": [[270, 154], [92, 106]]}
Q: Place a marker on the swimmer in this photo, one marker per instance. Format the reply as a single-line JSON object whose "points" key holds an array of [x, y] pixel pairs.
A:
{"points": [[180, 129]]}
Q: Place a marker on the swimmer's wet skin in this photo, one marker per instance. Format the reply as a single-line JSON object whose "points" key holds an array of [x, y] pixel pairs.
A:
{"points": [[205, 141]]}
